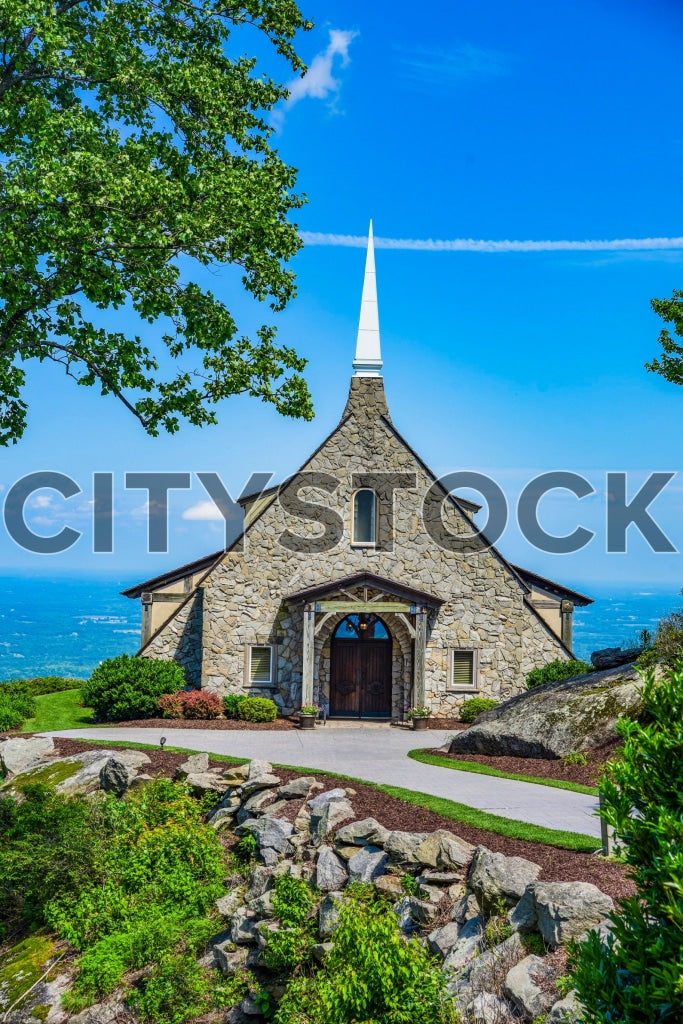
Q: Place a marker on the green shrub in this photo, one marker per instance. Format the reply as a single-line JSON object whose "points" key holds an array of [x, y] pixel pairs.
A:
{"points": [[634, 977], [52, 684], [475, 706], [257, 709], [372, 974], [667, 646], [231, 704], [556, 670], [291, 944], [129, 687], [16, 705]]}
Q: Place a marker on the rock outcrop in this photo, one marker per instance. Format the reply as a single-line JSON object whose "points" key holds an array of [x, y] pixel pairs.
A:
{"points": [[557, 719]]}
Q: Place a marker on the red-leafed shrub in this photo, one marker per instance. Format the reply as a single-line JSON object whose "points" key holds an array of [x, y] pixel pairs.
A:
{"points": [[202, 704], [171, 705], [190, 704]]}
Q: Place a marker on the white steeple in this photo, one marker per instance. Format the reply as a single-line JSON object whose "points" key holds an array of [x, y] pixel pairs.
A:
{"points": [[368, 361]]}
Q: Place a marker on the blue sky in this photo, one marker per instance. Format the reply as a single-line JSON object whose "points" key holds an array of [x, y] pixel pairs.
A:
{"points": [[527, 121]]}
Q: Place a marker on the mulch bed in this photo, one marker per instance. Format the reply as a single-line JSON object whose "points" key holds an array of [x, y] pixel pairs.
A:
{"points": [[546, 768], [557, 865], [220, 724]]}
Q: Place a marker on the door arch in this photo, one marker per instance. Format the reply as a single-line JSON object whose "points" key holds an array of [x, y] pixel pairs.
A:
{"points": [[360, 668]]}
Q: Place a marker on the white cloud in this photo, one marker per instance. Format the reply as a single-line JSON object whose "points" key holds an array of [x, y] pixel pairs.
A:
{"points": [[319, 83], [490, 245], [206, 511], [41, 501]]}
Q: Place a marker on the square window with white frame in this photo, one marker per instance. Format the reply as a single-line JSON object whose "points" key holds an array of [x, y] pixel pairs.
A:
{"points": [[261, 665], [463, 668]]}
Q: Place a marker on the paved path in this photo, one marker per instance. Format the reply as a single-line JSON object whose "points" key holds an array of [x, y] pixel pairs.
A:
{"points": [[379, 755]]}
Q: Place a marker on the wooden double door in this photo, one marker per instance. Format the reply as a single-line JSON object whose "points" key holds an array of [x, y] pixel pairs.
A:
{"points": [[360, 677]]}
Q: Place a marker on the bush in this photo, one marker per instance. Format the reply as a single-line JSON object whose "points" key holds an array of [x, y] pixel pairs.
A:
{"points": [[291, 944], [129, 687], [52, 684], [257, 709], [371, 974], [667, 646], [475, 706], [16, 705], [171, 705], [190, 704], [231, 704], [556, 670], [635, 975]]}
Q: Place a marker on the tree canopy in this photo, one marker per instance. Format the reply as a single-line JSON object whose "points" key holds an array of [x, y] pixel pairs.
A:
{"points": [[134, 148], [670, 362]]}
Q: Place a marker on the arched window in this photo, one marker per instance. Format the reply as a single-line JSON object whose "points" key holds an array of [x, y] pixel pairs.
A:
{"points": [[364, 517], [361, 627]]}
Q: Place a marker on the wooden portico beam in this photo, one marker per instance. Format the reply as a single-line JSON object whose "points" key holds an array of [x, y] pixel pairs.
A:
{"points": [[364, 606]]}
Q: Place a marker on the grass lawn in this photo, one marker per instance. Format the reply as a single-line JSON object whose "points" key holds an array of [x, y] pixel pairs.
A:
{"points": [[59, 711], [482, 769]]}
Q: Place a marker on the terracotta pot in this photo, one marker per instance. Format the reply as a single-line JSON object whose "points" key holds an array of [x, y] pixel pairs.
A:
{"points": [[307, 721], [420, 723]]}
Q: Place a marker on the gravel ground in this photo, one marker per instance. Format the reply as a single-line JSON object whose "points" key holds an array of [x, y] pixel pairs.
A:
{"points": [[557, 865]]}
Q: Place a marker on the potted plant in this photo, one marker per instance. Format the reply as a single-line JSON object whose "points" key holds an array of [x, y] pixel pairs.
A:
{"points": [[308, 714], [419, 716]]}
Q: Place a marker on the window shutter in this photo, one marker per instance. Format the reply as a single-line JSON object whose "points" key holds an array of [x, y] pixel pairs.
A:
{"points": [[463, 669], [260, 664]]}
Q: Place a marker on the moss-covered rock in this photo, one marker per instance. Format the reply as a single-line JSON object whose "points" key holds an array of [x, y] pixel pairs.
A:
{"points": [[32, 977], [557, 719]]}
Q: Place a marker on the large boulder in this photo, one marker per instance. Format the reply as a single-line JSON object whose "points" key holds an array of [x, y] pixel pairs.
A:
{"points": [[614, 657], [560, 910], [19, 755], [495, 878], [529, 986], [556, 719]]}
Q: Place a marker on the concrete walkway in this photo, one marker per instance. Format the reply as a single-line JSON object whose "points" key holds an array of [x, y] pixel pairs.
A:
{"points": [[378, 754]]}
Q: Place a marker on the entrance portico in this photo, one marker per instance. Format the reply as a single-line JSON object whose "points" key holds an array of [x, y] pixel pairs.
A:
{"points": [[361, 674]]}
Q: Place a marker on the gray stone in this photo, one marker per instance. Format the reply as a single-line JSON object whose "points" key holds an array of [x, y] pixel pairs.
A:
{"points": [[490, 970], [524, 986], [463, 952], [442, 849], [412, 912], [243, 929], [228, 904], [262, 906], [205, 782], [297, 788], [108, 1012], [563, 910], [270, 834], [19, 755], [442, 940], [260, 776], [367, 832], [260, 880], [487, 1008], [465, 909], [614, 657], [250, 1007], [115, 777], [320, 950], [328, 914], [196, 764], [565, 1011], [326, 798], [222, 815], [258, 802], [319, 824], [557, 719], [389, 884], [494, 877], [331, 874], [367, 864], [439, 877], [229, 958], [402, 846], [339, 811]]}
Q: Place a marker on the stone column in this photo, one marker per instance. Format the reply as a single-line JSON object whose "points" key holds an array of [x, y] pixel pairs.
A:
{"points": [[419, 683], [146, 618], [308, 655], [566, 613]]}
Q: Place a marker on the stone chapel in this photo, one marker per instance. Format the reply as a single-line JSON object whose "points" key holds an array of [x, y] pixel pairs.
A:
{"points": [[359, 584]]}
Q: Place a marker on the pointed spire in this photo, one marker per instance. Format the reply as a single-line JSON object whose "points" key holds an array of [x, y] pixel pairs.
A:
{"points": [[368, 361]]}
